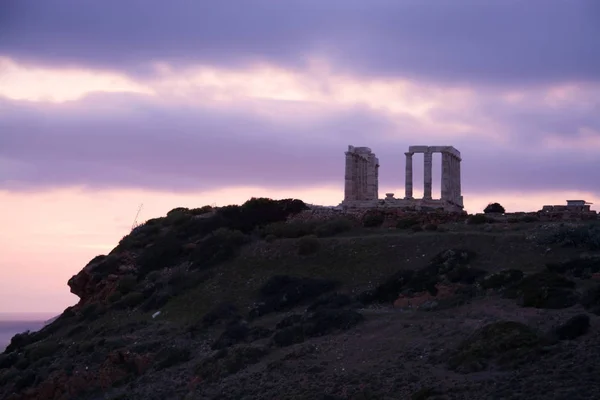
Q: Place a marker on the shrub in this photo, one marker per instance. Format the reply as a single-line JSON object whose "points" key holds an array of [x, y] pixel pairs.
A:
{"points": [[282, 292], [91, 312], [430, 227], [259, 212], [308, 245], [494, 208], [220, 246], [201, 210], [154, 276], [530, 218], [141, 235], [130, 300], [178, 211], [270, 238], [406, 223], [333, 227], [171, 356], [586, 235], [41, 350], [115, 296], [416, 228], [8, 360], [544, 290], [221, 312], [479, 219], [290, 230], [165, 252], [126, 284], [373, 220], [506, 343]]}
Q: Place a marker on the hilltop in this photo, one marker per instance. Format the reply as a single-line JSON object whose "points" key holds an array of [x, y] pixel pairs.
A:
{"points": [[269, 300]]}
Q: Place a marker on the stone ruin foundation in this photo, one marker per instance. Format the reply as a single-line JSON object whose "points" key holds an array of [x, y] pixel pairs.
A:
{"points": [[362, 174]]}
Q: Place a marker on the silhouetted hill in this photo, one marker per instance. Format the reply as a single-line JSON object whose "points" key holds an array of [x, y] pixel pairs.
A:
{"points": [[268, 301]]}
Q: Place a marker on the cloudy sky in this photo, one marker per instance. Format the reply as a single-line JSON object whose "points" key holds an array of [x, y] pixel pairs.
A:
{"points": [[105, 105]]}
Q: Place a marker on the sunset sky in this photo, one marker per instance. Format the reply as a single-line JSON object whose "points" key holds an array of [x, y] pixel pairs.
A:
{"points": [[105, 105]]}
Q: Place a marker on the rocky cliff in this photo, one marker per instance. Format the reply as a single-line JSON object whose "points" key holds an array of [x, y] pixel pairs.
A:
{"points": [[270, 301]]}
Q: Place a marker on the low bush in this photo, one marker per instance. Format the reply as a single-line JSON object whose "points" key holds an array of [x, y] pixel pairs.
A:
{"points": [[201, 210], [130, 300], [479, 219], [504, 343], [373, 220], [290, 230], [41, 350], [430, 227], [126, 284], [282, 292], [584, 235], [171, 356], [333, 227], [165, 252], [406, 223], [494, 208], [308, 245], [220, 246]]}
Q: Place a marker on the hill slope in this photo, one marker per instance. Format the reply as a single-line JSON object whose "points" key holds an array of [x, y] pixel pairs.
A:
{"points": [[233, 303]]}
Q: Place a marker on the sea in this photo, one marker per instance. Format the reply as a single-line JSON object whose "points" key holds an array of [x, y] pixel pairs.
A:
{"points": [[10, 325]]}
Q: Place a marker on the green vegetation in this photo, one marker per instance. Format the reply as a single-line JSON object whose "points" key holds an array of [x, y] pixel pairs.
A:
{"points": [[570, 235], [505, 343], [494, 208]]}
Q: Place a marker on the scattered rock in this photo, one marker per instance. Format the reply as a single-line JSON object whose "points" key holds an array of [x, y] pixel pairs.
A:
{"points": [[502, 279]]}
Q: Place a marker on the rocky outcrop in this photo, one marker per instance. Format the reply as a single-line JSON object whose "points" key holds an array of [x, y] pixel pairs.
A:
{"points": [[98, 279]]}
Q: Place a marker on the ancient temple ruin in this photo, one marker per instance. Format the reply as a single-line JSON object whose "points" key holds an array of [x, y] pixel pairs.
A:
{"points": [[362, 174]]}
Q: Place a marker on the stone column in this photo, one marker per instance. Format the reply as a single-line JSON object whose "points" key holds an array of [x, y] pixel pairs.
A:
{"points": [[408, 180], [446, 176], [454, 196], [349, 178], [458, 183], [428, 160]]}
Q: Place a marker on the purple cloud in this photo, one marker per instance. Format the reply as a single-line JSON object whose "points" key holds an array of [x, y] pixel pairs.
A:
{"points": [[459, 41], [171, 148]]}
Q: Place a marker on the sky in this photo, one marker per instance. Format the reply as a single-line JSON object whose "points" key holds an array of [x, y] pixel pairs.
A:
{"points": [[106, 106]]}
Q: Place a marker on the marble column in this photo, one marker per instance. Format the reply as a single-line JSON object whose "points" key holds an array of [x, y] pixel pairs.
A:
{"points": [[349, 193], [458, 184], [446, 176], [450, 181], [408, 180], [427, 179], [453, 194]]}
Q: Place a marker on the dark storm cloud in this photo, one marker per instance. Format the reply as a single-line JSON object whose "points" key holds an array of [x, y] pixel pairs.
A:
{"points": [[459, 41], [161, 147]]}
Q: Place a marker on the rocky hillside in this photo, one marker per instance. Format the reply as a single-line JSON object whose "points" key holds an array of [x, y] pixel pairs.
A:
{"points": [[252, 302]]}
